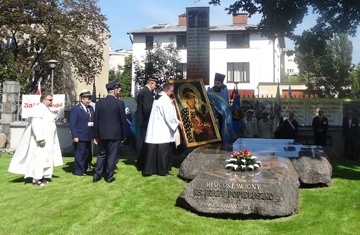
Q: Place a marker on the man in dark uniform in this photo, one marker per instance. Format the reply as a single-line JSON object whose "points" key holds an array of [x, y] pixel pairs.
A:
{"points": [[144, 101], [81, 126], [320, 125], [350, 128], [109, 132]]}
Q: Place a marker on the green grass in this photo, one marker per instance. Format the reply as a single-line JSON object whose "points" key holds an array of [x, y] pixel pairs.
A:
{"points": [[137, 205]]}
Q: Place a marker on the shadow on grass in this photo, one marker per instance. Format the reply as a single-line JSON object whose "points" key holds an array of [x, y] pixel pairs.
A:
{"points": [[27, 180], [346, 170], [69, 167], [129, 156]]}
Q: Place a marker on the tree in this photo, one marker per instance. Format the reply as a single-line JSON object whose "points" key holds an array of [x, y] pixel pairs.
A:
{"points": [[331, 69], [281, 17], [355, 81], [123, 76], [33, 32], [160, 62]]}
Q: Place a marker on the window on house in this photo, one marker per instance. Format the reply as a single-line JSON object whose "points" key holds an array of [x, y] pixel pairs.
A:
{"points": [[181, 70], [239, 40], [181, 41], [290, 70], [149, 42], [238, 72]]}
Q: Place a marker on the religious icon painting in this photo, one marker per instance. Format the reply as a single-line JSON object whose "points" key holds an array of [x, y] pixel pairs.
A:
{"points": [[194, 111]]}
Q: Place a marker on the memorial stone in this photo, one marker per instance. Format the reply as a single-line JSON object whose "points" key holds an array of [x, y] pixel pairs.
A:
{"points": [[270, 191]]}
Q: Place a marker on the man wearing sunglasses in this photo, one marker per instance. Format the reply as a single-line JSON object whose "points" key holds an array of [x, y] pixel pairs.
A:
{"points": [[81, 127], [39, 149]]}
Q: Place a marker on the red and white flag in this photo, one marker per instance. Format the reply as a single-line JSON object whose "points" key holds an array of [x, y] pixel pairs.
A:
{"points": [[38, 89]]}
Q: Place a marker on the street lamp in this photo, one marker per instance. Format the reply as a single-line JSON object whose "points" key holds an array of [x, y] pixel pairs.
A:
{"points": [[52, 65]]}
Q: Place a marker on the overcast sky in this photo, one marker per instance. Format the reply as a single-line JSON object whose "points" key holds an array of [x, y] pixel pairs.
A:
{"points": [[125, 16]]}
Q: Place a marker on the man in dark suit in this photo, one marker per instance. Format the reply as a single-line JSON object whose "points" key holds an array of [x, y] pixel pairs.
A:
{"points": [[320, 125], [144, 101], [350, 128], [290, 127], [109, 132], [81, 127]]}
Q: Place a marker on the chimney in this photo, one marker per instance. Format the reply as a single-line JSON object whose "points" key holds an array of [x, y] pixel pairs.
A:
{"points": [[240, 18], [182, 20]]}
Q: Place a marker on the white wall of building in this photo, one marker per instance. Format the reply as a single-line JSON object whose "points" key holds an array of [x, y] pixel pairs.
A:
{"points": [[117, 58], [260, 55], [291, 68]]}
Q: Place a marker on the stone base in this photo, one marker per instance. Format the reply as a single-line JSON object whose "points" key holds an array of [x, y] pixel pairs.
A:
{"points": [[271, 191]]}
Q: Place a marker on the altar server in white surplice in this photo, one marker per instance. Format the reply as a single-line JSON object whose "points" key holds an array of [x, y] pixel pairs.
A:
{"points": [[38, 150], [160, 132]]}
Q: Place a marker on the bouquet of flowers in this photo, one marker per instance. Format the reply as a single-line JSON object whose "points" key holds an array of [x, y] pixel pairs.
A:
{"points": [[242, 161]]}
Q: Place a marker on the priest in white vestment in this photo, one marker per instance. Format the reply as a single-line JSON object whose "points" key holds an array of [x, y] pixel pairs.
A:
{"points": [[160, 132], [38, 150]]}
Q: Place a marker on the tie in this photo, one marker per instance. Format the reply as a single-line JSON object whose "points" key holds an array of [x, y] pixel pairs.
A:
{"points": [[320, 117], [89, 114]]}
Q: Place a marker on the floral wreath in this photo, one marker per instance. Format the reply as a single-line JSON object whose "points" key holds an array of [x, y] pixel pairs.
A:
{"points": [[242, 161]]}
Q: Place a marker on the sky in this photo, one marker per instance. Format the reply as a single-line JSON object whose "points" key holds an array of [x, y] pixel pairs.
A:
{"points": [[128, 15]]}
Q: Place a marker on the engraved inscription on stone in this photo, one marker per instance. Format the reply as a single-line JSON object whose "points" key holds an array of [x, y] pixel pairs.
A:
{"points": [[198, 43]]}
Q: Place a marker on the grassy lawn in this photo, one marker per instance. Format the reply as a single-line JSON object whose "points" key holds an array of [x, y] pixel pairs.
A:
{"points": [[137, 205]]}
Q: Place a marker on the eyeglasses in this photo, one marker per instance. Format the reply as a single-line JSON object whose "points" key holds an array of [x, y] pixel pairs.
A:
{"points": [[49, 100]]}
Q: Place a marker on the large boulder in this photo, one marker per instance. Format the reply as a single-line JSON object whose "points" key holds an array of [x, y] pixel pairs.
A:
{"points": [[314, 169], [271, 191], [199, 159]]}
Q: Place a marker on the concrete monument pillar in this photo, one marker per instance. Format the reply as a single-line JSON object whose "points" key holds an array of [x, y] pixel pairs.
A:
{"points": [[10, 94]]}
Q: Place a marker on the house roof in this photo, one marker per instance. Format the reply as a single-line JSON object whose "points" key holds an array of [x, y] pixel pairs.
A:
{"points": [[174, 28]]}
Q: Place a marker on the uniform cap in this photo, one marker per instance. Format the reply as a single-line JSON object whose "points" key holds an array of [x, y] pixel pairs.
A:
{"points": [[128, 110], [112, 85], [85, 93]]}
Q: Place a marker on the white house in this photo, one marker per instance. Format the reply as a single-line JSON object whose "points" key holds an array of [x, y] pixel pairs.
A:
{"points": [[117, 58], [242, 54], [291, 68]]}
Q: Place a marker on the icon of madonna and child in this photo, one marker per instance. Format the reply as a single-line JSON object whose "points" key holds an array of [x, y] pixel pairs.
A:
{"points": [[195, 113]]}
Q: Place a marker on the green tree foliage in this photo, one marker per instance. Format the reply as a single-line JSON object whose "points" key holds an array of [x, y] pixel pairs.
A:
{"points": [[33, 32], [329, 72], [123, 76], [161, 61], [355, 81], [281, 17]]}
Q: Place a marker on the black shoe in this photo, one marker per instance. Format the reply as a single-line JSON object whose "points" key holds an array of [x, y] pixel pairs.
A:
{"points": [[46, 180], [95, 180], [37, 183], [112, 179]]}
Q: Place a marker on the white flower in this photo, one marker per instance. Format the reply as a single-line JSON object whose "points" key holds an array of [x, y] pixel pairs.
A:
{"points": [[231, 160], [253, 157], [230, 165], [243, 167], [235, 167], [250, 167], [256, 166], [243, 160], [258, 162]]}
